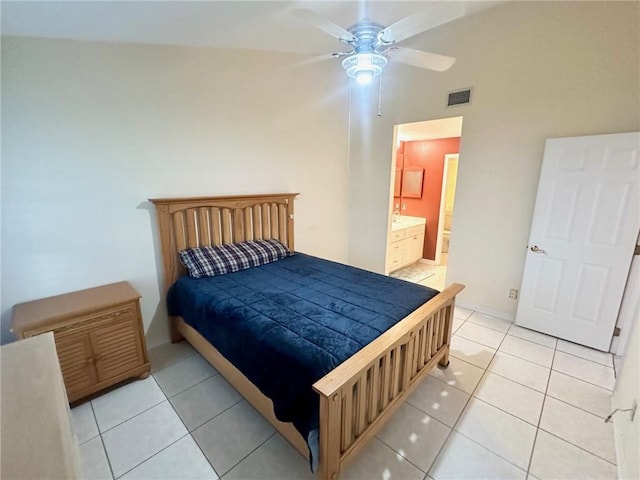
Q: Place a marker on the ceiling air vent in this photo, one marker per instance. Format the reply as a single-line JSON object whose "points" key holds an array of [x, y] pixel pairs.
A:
{"points": [[459, 97]]}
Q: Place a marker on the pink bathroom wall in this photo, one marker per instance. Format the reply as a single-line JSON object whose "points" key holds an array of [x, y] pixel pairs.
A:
{"points": [[428, 154]]}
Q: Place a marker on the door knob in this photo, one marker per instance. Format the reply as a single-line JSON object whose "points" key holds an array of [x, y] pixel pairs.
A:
{"points": [[536, 249]]}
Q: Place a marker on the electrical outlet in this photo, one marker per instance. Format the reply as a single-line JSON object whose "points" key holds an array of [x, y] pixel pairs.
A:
{"points": [[513, 294]]}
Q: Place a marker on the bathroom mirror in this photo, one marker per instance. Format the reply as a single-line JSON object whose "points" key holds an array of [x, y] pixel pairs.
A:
{"points": [[412, 182]]}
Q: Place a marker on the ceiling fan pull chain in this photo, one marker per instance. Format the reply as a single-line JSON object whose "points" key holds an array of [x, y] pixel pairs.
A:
{"points": [[349, 128], [380, 96]]}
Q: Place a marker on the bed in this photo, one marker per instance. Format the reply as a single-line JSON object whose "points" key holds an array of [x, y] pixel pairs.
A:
{"points": [[359, 394]]}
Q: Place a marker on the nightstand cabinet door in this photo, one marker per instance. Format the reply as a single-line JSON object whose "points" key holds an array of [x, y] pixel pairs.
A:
{"points": [[75, 354], [117, 346]]}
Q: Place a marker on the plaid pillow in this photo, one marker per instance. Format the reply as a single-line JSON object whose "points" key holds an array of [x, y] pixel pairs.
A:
{"points": [[223, 259]]}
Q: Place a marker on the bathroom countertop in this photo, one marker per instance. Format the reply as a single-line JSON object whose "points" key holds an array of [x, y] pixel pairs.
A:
{"points": [[405, 221]]}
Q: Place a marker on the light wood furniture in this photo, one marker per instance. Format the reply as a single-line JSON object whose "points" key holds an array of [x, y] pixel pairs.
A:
{"points": [[98, 333], [36, 435], [358, 396], [406, 243]]}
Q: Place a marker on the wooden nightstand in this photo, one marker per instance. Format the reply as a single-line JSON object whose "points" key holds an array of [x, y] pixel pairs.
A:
{"points": [[98, 333]]}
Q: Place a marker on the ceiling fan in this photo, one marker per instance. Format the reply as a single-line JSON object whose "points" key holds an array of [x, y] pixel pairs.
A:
{"points": [[373, 45]]}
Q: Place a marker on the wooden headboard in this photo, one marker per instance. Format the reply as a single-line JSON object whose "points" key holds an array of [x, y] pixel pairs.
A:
{"points": [[209, 221]]}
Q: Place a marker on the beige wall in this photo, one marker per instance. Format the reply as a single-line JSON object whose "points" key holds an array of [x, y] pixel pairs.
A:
{"points": [[538, 70], [91, 130]]}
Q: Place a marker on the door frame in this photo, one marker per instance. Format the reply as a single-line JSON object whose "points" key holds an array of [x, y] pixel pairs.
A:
{"points": [[448, 157], [629, 308]]}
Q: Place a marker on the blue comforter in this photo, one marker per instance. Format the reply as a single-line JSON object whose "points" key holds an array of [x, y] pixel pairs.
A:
{"points": [[286, 324]]}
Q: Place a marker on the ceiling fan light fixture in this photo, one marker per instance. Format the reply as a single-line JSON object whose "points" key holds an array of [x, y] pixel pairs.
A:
{"points": [[363, 67], [364, 77]]}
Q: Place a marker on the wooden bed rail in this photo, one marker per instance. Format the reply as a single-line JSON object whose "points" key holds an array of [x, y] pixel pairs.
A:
{"points": [[358, 396]]}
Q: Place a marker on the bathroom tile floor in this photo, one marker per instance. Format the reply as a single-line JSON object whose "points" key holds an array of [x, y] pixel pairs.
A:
{"points": [[512, 404], [437, 280]]}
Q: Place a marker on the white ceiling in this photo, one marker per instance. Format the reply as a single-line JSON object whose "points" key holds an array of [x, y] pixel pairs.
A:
{"points": [[255, 25]]}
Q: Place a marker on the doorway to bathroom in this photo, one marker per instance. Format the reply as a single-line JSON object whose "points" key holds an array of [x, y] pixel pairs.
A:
{"points": [[422, 200]]}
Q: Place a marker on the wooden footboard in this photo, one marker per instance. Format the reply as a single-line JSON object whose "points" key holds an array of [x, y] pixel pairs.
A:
{"points": [[359, 396]]}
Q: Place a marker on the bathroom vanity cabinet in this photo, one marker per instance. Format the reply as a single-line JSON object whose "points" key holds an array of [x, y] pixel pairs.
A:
{"points": [[406, 242]]}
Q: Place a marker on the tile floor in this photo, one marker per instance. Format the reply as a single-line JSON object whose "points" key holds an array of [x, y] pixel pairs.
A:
{"points": [[437, 280], [513, 404]]}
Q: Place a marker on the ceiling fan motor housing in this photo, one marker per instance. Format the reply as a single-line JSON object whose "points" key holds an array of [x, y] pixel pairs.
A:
{"points": [[366, 33]]}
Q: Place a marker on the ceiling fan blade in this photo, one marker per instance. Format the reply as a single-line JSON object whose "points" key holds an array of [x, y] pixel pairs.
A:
{"points": [[418, 58], [310, 60], [434, 16], [324, 24]]}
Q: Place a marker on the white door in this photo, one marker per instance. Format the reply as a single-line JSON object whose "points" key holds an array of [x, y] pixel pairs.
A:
{"points": [[583, 233]]}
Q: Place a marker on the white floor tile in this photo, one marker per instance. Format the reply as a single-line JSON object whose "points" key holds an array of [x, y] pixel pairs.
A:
{"points": [[204, 401], [489, 321], [462, 458], [521, 371], [456, 324], [144, 438], [378, 461], [584, 370], [580, 394], [136, 440], [472, 352], [184, 374], [169, 353], [462, 313], [512, 397], [233, 435], [84, 423], [581, 428], [181, 461], [439, 400], [478, 333], [587, 353], [414, 435], [555, 459], [527, 350], [502, 433], [93, 461], [276, 459], [532, 336], [459, 374], [125, 402]]}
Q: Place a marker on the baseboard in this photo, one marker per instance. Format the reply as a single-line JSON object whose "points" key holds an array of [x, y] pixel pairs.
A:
{"points": [[157, 341], [509, 317]]}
